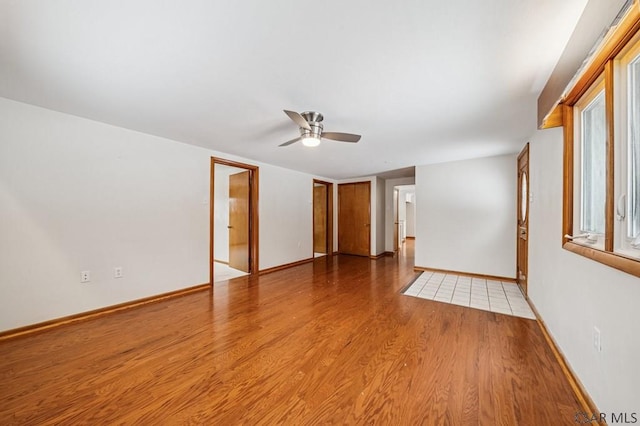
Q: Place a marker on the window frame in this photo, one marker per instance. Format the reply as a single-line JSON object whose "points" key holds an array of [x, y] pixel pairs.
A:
{"points": [[594, 92], [630, 54], [602, 63]]}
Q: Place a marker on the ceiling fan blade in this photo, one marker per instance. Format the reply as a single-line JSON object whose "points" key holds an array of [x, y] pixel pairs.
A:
{"points": [[342, 137], [287, 143], [298, 119]]}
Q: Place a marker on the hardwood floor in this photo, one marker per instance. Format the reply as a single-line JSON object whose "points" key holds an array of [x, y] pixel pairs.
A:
{"points": [[329, 342]]}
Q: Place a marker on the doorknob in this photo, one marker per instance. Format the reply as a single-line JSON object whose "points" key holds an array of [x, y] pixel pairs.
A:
{"points": [[229, 227]]}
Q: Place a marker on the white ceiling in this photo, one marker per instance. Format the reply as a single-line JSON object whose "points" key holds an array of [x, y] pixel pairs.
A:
{"points": [[423, 81]]}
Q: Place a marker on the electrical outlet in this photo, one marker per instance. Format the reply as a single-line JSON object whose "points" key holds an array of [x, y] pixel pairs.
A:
{"points": [[85, 276], [597, 342], [117, 272]]}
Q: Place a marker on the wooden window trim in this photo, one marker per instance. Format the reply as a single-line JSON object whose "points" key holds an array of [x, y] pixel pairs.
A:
{"points": [[615, 41], [601, 63]]}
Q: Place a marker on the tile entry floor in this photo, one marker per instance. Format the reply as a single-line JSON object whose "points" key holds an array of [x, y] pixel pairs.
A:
{"points": [[222, 272], [479, 293]]}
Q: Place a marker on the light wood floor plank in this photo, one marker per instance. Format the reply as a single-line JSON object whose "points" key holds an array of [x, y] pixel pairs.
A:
{"points": [[329, 342]]}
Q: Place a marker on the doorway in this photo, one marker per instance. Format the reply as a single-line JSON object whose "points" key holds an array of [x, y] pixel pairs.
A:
{"points": [[523, 220], [322, 218], [233, 220], [404, 197], [354, 218], [396, 219]]}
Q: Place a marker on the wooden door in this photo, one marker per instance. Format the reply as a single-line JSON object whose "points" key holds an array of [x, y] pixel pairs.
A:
{"points": [[320, 218], [239, 221], [354, 218], [523, 219]]}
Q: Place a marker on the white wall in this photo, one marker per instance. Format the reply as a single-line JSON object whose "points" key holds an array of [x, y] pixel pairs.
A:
{"points": [[466, 216], [573, 294], [81, 195], [286, 216], [388, 220], [410, 217]]}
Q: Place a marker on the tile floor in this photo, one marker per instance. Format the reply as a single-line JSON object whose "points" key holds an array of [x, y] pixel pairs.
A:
{"points": [[479, 293], [222, 272]]}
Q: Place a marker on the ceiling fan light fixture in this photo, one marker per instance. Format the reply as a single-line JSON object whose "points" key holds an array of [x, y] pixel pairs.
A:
{"points": [[310, 141]]}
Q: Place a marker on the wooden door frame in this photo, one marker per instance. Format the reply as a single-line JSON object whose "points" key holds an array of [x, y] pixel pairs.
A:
{"points": [[329, 186], [253, 214], [523, 153], [396, 219], [368, 183]]}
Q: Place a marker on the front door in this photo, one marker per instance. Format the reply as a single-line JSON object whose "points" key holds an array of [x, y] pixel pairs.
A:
{"points": [[239, 221], [523, 218], [354, 220]]}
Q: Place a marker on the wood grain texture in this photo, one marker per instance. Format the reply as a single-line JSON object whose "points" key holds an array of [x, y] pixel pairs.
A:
{"points": [[522, 244], [567, 172], [329, 342], [553, 118], [83, 316], [610, 151], [286, 266], [614, 260], [354, 218], [467, 274], [320, 208], [239, 217], [329, 214]]}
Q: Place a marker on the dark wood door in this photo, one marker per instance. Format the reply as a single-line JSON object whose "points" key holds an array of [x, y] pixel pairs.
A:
{"points": [[320, 218], [239, 221], [354, 218], [523, 219]]}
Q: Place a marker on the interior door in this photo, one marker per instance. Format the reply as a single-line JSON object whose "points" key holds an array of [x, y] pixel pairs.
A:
{"points": [[354, 218], [320, 218], [523, 218], [239, 221]]}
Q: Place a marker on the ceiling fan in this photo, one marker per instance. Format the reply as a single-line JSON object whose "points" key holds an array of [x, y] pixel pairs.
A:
{"points": [[310, 124]]}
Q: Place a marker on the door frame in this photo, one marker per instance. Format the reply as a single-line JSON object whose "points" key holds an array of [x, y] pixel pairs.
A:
{"points": [[329, 236], [396, 219], [522, 225], [253, 213]]}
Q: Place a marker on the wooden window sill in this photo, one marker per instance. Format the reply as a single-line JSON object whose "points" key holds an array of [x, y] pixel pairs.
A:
{"points": [[614, 260]]}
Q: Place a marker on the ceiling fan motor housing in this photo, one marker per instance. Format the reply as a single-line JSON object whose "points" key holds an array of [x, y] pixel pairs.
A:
{"points": [[314, 119]]}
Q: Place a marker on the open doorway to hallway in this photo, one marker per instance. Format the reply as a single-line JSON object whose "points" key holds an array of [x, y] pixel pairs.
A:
{"points": [[404, 212], [233, 220]]}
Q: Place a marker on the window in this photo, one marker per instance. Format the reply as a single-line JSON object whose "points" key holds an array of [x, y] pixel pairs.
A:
{"points": [[590, 166], [627, 188], [601, 119], [633, 149]]}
